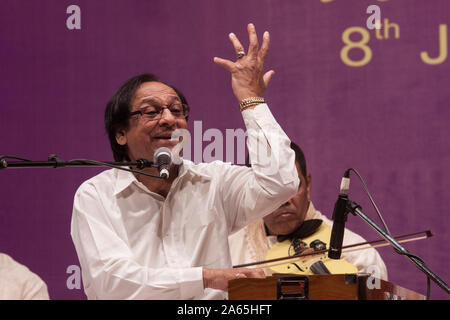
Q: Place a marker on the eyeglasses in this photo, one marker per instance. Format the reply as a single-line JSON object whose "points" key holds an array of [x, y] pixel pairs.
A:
{"points": [[153, 110]]}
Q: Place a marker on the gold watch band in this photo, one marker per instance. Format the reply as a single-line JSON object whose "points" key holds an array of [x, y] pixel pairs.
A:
{"points": [[249, 102]]}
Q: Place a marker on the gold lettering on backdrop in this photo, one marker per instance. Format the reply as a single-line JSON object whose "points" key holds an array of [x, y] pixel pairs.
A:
{"points": [[378, 34], [443, 48], [361, 44], [387, 27]]}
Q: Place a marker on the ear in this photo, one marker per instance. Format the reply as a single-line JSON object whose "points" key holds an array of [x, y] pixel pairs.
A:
{"points": [[308, 186], [121, 137]]}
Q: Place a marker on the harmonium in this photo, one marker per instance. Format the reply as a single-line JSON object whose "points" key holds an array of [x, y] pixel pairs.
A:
{"points": [[318, 287]]}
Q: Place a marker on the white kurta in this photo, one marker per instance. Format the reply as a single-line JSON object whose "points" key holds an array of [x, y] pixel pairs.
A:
{"points": [[17, 282], [251, 244], [135, 244]]}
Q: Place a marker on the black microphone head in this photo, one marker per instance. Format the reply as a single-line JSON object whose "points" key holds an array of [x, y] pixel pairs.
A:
{"points": [[162, 159], [162, 156]]}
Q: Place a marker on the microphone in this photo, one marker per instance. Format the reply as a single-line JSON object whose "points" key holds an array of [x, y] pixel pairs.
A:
{"points": [[339, 218], [162, 159]]}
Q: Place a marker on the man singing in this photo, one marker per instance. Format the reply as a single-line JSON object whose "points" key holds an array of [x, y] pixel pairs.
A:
{"points": [[145, 238]]}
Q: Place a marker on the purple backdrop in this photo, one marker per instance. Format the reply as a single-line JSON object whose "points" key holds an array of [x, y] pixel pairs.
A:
{"points": [[388, 118]]}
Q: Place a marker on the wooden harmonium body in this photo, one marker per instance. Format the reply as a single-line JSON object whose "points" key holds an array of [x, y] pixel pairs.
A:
{"points": [[318, 287]]}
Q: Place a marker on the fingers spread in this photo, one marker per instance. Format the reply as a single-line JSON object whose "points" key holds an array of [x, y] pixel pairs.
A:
{"points": [[236, 43], [248, 78], [253, 46], [265, 46], [267, 76], [227, 64]]}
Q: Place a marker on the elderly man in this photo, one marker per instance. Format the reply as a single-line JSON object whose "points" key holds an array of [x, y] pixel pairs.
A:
{"points": [[144, 238], [292, 219]]}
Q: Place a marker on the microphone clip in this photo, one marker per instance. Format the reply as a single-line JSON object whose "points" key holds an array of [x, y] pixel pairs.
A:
{"points": [[144, 163]]}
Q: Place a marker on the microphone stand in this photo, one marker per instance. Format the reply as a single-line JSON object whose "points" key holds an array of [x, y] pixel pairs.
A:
{"points": [[55, 162], [355, 209]]}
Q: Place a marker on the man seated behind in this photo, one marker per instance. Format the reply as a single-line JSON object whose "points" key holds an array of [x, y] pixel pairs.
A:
{"points": [[252, 243]]}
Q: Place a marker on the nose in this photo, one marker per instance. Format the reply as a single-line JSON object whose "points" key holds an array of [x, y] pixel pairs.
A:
{"points": [[287, 203], [167, 118]]}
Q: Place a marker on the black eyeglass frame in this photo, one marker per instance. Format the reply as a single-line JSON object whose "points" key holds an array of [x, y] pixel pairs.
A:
{"points": [[185, 115]]}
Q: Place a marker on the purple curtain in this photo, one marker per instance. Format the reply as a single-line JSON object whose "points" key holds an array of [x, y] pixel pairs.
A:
{"points": [[374, 100]]}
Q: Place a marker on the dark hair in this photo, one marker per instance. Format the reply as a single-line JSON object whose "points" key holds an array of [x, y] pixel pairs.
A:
{"points": [[117, 111], [299, 158]]}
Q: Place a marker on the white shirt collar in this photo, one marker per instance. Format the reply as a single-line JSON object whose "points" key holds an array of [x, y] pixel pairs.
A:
{"points": [[125, 178]]}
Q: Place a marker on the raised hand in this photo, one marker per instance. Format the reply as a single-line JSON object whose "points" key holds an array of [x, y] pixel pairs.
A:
{"points": [[247, 72]]}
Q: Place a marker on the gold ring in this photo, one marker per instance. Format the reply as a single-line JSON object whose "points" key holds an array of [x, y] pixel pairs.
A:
{"points": [[240, 54]]}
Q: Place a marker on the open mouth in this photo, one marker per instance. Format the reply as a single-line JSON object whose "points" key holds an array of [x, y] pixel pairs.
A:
{"points": [[165, 136]]}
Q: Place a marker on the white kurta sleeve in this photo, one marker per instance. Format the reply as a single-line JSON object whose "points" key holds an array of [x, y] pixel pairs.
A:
{"points": [[251, 193]]}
